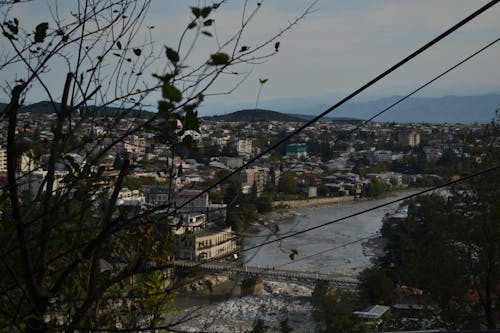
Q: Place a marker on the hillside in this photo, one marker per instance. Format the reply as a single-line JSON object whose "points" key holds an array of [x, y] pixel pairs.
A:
{"points": [[45, 107], [250, 115], [446, 109]]}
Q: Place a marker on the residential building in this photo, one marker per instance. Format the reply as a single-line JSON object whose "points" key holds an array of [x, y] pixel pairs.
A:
{"points": [[232, 162], [296, 150], [32, 182], [199, 204], [206, 244], [257, 176], [3, 159], [188, 223], [130, 197], [411, 139], [135, 145], [244, 146], [156, 195]]}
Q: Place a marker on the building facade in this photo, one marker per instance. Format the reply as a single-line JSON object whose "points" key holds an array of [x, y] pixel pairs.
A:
{"points": [[206, 244]]}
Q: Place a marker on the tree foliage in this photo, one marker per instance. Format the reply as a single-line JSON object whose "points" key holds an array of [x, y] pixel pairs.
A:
{"points": [[459, 238], [333, 311]]}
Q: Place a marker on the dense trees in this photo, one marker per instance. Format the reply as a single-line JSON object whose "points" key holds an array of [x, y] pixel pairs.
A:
{"points": [[458, 236], [375, 286], [333, 310], [287, 183]]}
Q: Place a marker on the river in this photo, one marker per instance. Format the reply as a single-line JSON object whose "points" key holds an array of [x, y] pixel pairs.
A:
{"points": [[323, 249]]}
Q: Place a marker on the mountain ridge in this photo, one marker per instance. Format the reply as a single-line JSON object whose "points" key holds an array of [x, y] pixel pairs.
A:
{"points": [[444, 109]]}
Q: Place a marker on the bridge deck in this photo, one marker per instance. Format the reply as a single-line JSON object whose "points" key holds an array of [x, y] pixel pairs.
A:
{"points": [[271, 273]]}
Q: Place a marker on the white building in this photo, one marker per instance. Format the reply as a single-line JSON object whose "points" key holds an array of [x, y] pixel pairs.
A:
{"points": [[244, 146], [32, 182], [3, 159], [206, 244], [411, 139], [130, 197], [135, 145]]}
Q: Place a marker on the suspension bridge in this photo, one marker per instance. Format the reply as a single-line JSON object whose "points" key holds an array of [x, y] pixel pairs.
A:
{"points": [[270, 273]]}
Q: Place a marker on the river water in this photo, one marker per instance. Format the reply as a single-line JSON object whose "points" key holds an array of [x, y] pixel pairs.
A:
{"points": [[335, 248]]}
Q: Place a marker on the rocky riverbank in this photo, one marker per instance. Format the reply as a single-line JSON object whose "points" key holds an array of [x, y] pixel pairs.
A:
{"points": [[280, 301]]}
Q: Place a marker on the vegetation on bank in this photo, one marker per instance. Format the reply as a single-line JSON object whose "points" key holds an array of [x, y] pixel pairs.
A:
{"points": [[446, 256]]}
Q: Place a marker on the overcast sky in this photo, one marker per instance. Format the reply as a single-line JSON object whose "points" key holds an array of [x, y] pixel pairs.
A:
{"points": [[343, 44]]}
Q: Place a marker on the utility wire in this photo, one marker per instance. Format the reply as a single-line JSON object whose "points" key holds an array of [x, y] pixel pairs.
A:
{"points": [[278, 239], [420, 88], [336, 105], [354, 129], [357, 240], [385, 110], [382, 111], [379, 77]]}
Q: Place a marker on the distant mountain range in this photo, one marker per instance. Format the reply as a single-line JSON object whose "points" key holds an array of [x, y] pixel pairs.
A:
{"points": [[46, 107], [447, 109]]}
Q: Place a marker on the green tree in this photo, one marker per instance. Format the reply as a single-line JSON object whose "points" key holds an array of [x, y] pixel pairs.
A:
{"points": [[459, 239], [375, 287], [264, 203], [375, 188], [333, 311], [287, 183]]}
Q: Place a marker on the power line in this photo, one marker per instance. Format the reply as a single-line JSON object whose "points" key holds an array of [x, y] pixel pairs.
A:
{"points": [[278, 239], [414, 54], [401, 99], [374, 235], [391, 69], [339, 103], [421, 87]]}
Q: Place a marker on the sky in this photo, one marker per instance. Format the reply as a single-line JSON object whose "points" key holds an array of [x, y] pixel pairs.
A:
{"points": [[339, 46], [343, 44]]}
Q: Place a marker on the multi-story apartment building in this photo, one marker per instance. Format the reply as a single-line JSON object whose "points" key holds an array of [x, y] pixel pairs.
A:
{"points": [[244, 146], [411, 139], [135, 145], [3, 159], [257, 176], [33, 181], [206, 244]]}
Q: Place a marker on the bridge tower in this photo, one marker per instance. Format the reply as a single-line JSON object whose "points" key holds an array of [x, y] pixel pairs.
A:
{"points": [[252, 286]]}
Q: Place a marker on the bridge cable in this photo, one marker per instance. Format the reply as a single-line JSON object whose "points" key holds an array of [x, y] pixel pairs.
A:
{"points": [[430, 190]]}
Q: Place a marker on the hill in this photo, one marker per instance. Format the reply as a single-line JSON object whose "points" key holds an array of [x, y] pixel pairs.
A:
{"points": [[45, 107], [250, 115], [446, 109]]}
